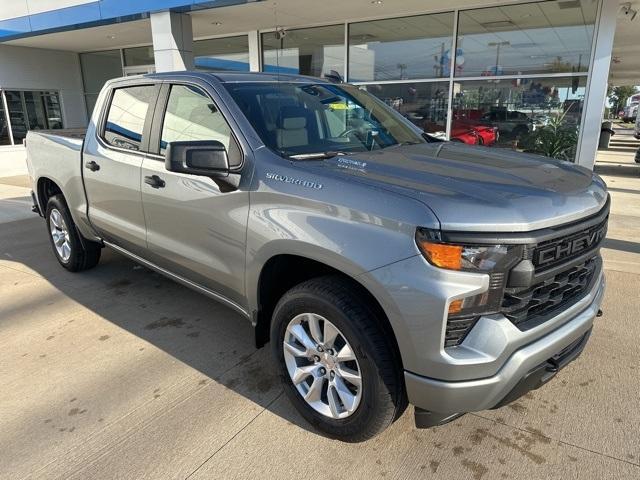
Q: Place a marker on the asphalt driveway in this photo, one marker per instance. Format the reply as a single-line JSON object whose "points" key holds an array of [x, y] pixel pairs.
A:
{"points": [[120, 373]]}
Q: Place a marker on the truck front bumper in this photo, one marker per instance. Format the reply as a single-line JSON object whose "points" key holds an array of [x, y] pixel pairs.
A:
{"points": [[438, 401]]}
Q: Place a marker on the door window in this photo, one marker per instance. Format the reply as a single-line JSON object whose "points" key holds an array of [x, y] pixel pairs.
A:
{"points": [[127, 115], [191, 116]]}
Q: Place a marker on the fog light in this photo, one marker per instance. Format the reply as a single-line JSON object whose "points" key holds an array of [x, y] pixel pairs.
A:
{"points": [[455, 306]]}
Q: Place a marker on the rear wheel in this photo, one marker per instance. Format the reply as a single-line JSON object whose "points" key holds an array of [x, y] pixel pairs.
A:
{"points": [[336, 364], [73, 253]]}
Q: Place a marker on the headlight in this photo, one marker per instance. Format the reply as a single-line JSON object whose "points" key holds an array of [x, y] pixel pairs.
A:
{"points": [[472, 258], [494, 260]]}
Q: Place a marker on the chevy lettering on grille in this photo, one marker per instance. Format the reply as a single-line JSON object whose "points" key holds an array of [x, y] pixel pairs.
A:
{"points": [[569, 247]]}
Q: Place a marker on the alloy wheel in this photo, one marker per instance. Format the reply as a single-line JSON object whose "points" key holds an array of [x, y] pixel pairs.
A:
{"points": [[60, 235], [322, 366]]}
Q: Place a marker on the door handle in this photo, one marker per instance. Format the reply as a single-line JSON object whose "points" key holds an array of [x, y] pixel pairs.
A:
{"points": [[155, 181], [93, 166]]}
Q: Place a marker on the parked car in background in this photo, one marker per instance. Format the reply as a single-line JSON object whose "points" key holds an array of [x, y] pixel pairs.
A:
{"points": [[511, 124], [464, 134], [459, 132], [383, 266], [486, 135]]}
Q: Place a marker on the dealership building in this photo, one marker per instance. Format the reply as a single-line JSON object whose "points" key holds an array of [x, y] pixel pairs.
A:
{"points": [[495, 73]]}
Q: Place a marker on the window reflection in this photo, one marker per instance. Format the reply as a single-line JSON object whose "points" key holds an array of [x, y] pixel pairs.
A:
{"points": [[318, 52], [401, 48], [425, 104], [542, 37], [539, 115], [191, 116], [127, 114], [219, 54]]}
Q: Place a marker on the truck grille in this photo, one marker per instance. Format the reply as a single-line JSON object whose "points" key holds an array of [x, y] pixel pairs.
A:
{"points": [[548, 254], [530, 306], [564, 268]]}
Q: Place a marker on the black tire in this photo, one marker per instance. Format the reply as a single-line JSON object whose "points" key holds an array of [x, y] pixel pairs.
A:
{"points": [[84, 254], [383, 394]]}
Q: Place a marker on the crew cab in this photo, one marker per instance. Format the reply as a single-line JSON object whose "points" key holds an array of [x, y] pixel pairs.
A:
{"points": [[383, 266]]}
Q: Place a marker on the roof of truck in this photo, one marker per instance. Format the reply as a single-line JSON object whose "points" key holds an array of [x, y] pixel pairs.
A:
{"points": [[242, 77]]}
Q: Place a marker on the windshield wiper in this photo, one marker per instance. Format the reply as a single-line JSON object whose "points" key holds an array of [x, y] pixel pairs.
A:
{"points": [[315, 155]]}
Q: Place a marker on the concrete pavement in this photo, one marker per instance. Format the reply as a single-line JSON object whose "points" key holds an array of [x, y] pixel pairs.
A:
{"points": [[120, 373]]}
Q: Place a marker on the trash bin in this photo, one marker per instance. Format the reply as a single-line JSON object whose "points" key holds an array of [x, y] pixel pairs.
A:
{"points": [[605, 135]]}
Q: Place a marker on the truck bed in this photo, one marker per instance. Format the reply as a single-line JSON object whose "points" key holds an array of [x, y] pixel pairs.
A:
{"points": [[57, 156], [76, 133]]}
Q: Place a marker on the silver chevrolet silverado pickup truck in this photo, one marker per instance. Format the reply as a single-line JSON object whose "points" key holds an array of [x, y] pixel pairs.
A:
{"points": [[385, 267]]}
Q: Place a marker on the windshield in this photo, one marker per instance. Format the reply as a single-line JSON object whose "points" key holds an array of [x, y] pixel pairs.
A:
{"points": [[300, 118]]}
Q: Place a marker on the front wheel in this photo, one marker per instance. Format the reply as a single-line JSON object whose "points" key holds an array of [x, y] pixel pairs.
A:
{"points": [[336, 364], [73, 253]]}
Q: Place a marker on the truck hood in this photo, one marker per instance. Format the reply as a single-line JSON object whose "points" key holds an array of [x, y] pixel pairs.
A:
{"points": [[477, 188]]}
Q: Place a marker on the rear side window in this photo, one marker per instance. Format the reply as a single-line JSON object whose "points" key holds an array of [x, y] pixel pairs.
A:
{"points": [[191, 115], [127, 114]]}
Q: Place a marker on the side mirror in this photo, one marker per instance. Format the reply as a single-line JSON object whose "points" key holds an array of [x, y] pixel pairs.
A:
{"points": [[205, 157]]}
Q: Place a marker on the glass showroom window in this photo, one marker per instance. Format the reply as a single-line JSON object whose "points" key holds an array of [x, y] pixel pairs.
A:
{"points": [[5, 137], [216, 54], [425, 104], [401, 48], [317, 51], [97, 68], [32, 110], [537, 115], [530, 38], [138, 56]]}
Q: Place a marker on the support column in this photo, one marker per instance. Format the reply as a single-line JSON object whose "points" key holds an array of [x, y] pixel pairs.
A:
{"points": [[596, 91], [172, 41]]}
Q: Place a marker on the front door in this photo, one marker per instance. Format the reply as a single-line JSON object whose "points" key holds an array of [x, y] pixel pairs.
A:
{"points": [[112, 164], [195, 227]]}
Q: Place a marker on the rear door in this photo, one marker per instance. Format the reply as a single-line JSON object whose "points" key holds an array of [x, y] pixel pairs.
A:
{"points": [[196, 226], [112, 162]]}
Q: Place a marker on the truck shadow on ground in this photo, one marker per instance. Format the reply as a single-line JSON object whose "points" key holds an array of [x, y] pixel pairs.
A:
{"points": [[621, 245], [618, 170], [218, 345], [190, 327]]}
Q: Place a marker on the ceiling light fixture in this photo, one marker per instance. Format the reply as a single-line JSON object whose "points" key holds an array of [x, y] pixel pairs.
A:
{"points": [[629, 12], [111, 37], [498, 24], [376, 2], [216, 24]]}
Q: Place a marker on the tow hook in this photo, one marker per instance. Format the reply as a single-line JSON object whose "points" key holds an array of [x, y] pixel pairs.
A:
{"points": [[599, 314]]}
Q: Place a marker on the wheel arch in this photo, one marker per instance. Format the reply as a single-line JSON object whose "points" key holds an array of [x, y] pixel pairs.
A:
{"points": [[283, 271], [45, 189]]}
